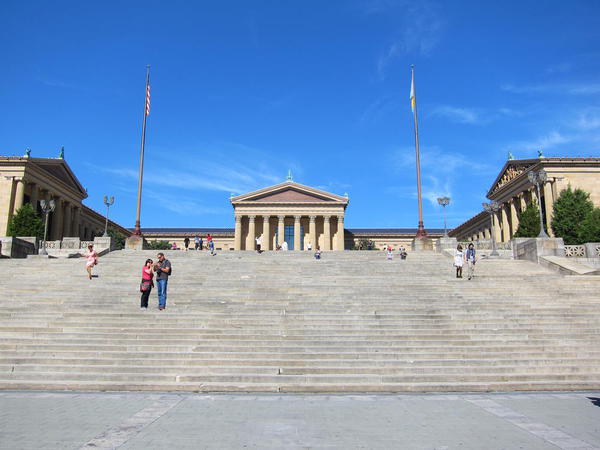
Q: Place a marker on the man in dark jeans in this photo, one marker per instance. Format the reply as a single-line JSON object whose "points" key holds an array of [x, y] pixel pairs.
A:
{"points": [[163, 270]]}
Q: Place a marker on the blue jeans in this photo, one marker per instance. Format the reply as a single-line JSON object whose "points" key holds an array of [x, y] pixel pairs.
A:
{"points": [[162, 292]]}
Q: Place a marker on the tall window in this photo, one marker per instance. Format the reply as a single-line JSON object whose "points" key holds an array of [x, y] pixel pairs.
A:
{"points": [[289, 237]]}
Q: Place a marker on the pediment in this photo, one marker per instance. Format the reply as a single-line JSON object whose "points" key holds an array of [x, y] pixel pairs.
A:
{"points": [[59, 169], [289, 192], [510, 171]]}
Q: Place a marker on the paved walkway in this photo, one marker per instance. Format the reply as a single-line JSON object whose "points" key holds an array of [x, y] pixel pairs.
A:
{"points": [[48, 420]]}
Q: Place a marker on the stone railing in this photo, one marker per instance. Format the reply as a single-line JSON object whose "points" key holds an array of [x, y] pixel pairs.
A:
{"points": [[84, 244], [589, 250], [486, 244], [575, 251]]}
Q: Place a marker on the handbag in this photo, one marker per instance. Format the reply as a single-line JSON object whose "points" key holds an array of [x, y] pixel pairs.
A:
{"points": [[144, 286]]}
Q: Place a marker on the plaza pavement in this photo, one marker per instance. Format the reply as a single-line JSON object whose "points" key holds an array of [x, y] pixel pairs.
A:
{"points": [[57, 420]]}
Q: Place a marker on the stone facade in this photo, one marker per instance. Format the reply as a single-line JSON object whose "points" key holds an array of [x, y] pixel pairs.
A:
{"points": [[513, 191], [310, 215], [29, 180]]}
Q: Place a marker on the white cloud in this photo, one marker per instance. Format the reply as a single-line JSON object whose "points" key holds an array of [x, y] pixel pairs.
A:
{"points": [[588, 119], [438, 160], [564, 88], [544, 142], [460, 115], [420, 30]]}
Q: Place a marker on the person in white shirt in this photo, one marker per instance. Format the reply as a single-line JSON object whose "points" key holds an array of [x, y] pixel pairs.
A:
{"points": [[259, 243], [309, 246], [284, 246]]}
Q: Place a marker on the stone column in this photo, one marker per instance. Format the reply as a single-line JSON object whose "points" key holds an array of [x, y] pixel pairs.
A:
{"points": [[280, 230], [514, 218], [77, 222], [312, 231], [266, 241], [548, 203], [505, 225], [19, 194], [522, 201], [68, 218], [339, 245], [33, 198], [326, 233], [57, 220], [297, 233], [251, 233], [237, 239], [497, 230]]}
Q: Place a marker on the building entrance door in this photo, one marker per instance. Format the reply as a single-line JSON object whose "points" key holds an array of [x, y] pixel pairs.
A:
{"points": [[289, 237]]}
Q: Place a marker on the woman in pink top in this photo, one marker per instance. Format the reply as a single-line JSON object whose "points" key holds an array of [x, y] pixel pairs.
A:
{"points": [[147, 283], [91, 260]]}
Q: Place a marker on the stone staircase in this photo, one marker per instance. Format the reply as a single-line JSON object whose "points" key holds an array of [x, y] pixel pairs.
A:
{"points": [[284, 322]]}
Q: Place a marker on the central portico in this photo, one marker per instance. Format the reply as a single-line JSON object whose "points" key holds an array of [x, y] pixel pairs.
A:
{"points": [[292, 212]]}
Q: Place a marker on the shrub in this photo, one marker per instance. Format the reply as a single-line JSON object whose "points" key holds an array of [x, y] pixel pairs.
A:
{"points": [[158, 245], [569, 211], [117, 237], [25, 222], [590, 227], [529, 222]]}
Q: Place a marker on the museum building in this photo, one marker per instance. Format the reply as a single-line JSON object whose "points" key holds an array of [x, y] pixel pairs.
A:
{"points": [[513, 191], [24, 179]]}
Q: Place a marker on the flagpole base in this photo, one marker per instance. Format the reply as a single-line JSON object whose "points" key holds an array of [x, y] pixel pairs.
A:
{"points": [[134, 243], [421, 233]]}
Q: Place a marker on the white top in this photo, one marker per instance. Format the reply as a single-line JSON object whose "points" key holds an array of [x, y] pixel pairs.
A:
{"points": [[458, 258], [309, 246], [284, 246], [259, 240]]}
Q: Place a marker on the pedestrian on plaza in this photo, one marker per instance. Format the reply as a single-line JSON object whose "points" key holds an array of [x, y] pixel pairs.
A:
{"points": [[147, 283], [174, 246], [186, 243], [91, 260], [318, 253], [458, 260], [284, 246], [196, 242], [402, 252], [389, 251], [471, 259], [309, 246], [211, 247], [258, 244], [201, 244], [208, 239], [163, 271]]}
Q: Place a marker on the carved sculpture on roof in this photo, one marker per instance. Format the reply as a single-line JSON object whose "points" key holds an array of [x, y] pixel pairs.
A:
{"points": [[510, 174]]}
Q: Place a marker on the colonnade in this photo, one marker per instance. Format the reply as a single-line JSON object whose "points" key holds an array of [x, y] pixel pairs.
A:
{"points": [[66, 220], [506, 219], [327, 231]]}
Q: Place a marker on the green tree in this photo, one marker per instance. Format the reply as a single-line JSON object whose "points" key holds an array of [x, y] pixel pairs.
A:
{"points": [[117, 237], [590, 227], [569, 211], [529, 221], [158, 245], [25, 222]]}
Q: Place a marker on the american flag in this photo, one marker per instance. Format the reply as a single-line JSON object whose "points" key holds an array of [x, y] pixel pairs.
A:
{"points": [[148, 98]]}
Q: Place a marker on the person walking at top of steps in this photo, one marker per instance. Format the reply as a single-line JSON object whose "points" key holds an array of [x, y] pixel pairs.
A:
{"points": [[258, 244], [147, 283], [389, 253], [91, 260], [197, 243], [458, 260], [186, 243], [470, 257], [163, 271]]}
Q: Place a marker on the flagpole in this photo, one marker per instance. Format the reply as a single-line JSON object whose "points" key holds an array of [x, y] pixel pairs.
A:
{"points": [[137, 231], [421, 229]]}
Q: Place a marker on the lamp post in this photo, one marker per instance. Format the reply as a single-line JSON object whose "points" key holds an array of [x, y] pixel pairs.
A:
{"points": [[47, 207], [108, 202], [492, 208], [537, 178], [444, 201]]}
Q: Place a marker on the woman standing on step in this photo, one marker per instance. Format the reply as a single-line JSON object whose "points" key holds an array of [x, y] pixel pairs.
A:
{"points": [[147, 283], [91, 260], [458, 260]]}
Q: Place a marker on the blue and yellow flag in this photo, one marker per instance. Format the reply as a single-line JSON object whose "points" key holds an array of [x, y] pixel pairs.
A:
{"points": [[413, 100]]}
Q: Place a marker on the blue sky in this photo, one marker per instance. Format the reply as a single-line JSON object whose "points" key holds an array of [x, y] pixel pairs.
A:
{"points": [[243, 91]]}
